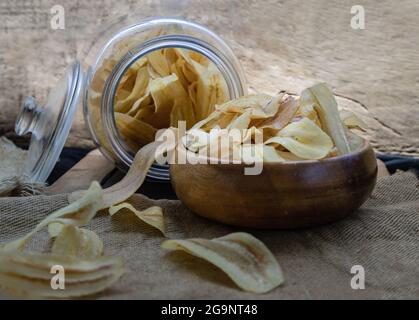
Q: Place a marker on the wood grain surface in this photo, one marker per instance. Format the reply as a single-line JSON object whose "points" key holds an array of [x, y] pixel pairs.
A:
{"points": [[283, 45]]}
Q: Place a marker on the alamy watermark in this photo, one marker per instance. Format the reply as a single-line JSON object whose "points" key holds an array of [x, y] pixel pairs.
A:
{"points": [[222, 146], [58, 278], [57, 21], [358, 18], [358, 280]]}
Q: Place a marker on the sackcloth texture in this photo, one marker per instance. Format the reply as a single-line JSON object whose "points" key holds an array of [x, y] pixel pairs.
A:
{"points": [[382, 237]]}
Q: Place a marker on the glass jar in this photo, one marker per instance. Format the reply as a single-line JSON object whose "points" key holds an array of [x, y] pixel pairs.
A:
{"points": [[106, 62]]}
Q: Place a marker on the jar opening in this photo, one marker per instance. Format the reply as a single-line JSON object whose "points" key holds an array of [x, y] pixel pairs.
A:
{"points": [[158, 81]]}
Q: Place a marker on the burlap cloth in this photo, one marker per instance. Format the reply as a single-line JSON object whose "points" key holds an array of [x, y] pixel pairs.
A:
{"points": [[382, 237]]}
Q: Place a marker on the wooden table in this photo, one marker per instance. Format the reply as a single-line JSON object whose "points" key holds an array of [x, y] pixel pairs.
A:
{"points": [[283, 45]]}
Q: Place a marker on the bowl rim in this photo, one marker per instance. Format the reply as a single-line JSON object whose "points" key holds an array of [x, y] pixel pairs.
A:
{"points": [[365, 147]]}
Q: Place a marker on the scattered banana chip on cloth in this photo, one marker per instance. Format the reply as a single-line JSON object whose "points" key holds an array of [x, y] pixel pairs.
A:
{"points": [[152, 216], [78, 213], [155, 93], [76, 250], [245, 259], [29, 274], [77, 242]]}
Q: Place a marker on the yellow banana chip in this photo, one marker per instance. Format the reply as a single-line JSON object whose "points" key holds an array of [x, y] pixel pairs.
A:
{"points": [[29, 274], [284, 114], [165, 92], [304, 139], [145, 102], [152, 216], [159, 63], [211, 90], [72, 241], [134, 178], [257, 103], [78, 213], [241, 122], [351, 120], [140, 86], [134, 130], [325, 104], [245, 259]]}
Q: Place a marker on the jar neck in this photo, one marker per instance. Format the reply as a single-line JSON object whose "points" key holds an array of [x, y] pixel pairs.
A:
{"points": [[232, 74]]}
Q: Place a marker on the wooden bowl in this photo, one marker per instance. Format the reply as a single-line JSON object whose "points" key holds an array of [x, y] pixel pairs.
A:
{"points": [[285, 195]]}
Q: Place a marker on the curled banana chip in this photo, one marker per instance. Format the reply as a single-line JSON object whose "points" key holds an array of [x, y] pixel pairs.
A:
{"points": [[284, 114], [134, 178], [304, 139], [136, 131], [140, 86], [29, 274], [152, 216], [77, 214], [245, 259], [72, 241], [323, 100]]}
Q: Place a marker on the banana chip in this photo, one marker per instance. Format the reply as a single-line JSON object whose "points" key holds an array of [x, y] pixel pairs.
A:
{"points": [[134, 178], [159, 63], [29, 274], [211, 90], [304, 139], [138, 90], [241, 122], [302, 128], [134, 130], [284, 114], [152, 216], [77, 214], [351, 120], [245, 259], [321, 97], [76, 242], [262, 105]]}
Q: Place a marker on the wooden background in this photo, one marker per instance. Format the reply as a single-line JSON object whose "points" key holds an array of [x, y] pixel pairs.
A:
{"points": [[283, 45]]}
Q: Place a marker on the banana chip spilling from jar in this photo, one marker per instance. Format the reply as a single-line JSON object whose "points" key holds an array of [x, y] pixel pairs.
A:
{"points": [[276, 129], [159, 90]]}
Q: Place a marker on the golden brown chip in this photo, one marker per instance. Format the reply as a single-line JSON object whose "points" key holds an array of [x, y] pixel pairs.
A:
{"points": [[245, 259]]}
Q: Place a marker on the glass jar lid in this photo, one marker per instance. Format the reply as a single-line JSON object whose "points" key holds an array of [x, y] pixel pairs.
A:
{"points": [[49, 123]]}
